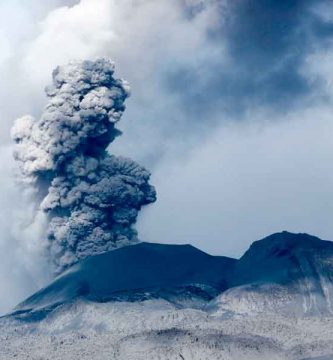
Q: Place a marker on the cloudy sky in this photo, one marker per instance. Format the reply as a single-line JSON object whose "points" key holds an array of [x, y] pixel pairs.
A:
{"points": [[231, 110]]}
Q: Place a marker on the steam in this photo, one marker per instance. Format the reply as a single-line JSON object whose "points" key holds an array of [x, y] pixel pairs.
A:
{"points": [[91, 198]]}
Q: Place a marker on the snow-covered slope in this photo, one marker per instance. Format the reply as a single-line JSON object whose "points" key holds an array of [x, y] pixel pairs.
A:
{"points": [[138, 272], [158, 330], [289, 273]]}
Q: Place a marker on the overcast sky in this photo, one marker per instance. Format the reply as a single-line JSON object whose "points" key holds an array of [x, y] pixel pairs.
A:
{"points": [[231, 110]]}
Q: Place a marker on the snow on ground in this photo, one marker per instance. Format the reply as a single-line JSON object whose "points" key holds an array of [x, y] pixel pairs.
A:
{"points": [[157, 329]]}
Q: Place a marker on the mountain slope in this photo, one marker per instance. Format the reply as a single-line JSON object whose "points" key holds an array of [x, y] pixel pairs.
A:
{"points": [[284, 258], [129, 305], [285, 272], [135, 272]]}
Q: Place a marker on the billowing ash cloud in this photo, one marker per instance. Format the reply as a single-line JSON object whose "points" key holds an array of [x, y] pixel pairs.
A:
{"points": [[91, 198]]}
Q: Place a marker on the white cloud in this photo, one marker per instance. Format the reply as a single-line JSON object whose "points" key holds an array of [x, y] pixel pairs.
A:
{"points": [[80, 31], [22, 264]]}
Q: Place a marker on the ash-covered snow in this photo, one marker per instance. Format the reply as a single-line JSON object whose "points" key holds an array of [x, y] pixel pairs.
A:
{"points": [[157, 329]]}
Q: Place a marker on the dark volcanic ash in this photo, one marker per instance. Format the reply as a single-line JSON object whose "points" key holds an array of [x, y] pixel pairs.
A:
{"points": [[91, 198]]}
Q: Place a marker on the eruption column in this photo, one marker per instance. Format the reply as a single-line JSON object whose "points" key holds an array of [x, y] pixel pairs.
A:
{"points": [[91, 198]]}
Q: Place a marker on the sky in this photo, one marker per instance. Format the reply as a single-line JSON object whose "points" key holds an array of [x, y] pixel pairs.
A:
{"points": [[230, 110]]}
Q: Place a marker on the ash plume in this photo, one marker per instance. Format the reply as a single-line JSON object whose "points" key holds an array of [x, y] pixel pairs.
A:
{"points": [[91, 198]]}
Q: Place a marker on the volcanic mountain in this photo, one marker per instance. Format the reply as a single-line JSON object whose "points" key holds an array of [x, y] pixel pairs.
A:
{"points": [[154, 301], [138, 272], [283, 272]]}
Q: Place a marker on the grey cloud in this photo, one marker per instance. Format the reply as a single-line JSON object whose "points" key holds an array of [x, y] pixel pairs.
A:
{"points": [[92, 198], [267, 43]]}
